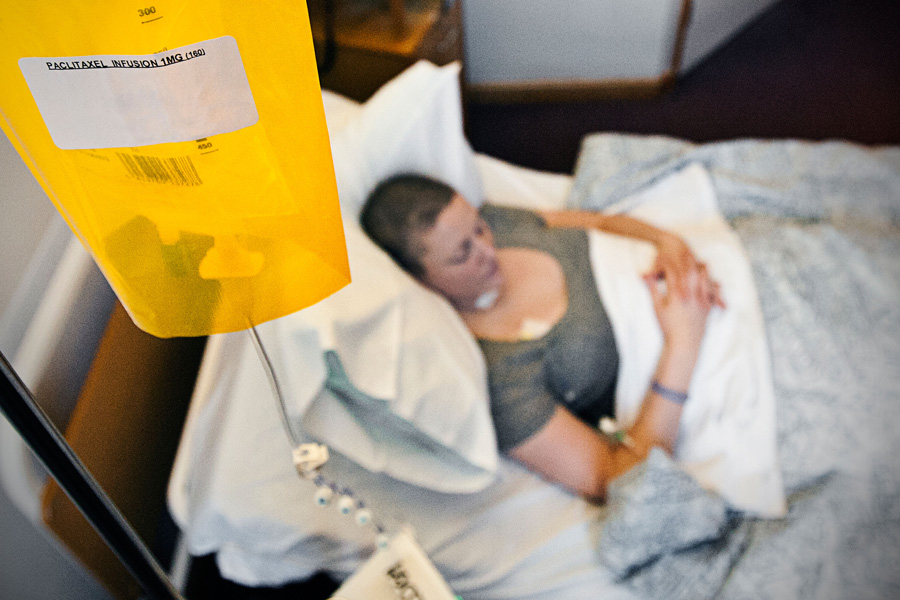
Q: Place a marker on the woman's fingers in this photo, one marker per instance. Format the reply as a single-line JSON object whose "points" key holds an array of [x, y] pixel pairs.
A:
{"points": [[712, 290], [693, 283], [678, 275], [676, 268], [693, 280], [656, 294], [717, 295], [704, 289]]}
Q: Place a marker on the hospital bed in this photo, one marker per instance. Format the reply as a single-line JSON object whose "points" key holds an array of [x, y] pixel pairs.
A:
{"points": [[800, 496]]}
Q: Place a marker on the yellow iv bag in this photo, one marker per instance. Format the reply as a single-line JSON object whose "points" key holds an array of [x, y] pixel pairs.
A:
{"points": [[184, 142]]}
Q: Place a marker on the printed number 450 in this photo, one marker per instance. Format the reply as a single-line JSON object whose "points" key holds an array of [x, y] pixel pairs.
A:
{"points": [[146, 11]]}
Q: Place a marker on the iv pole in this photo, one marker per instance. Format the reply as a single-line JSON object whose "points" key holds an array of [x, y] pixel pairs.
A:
{"points": [[19, 407]]}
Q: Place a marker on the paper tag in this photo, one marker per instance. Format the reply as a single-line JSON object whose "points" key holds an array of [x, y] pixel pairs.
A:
{"points": [[400, 571], [115, 101]]}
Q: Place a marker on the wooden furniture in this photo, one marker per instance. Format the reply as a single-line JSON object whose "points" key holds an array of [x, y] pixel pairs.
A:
{"points": [[125, 429], [374, 41]]}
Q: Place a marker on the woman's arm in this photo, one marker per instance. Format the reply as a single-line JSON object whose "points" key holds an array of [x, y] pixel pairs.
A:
{"points": [[569, 452], [617, 224], [674, 258]]}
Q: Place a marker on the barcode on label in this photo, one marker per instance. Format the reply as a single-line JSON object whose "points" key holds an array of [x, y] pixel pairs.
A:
{"points": [[177, 171]]}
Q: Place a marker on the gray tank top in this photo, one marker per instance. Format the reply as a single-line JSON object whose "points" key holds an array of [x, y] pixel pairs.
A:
{"points": [[575, 363]]}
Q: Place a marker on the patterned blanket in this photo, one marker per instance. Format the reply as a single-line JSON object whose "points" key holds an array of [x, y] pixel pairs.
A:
{"points": [[821, 224]]}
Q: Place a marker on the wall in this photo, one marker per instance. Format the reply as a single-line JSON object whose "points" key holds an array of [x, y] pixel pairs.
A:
{"points": [[521, 40], [526, 40], [713, 22], [32, 564]]}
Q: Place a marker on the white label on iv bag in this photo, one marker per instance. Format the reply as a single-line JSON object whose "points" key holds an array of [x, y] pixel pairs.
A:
{"points": [[115, 101]]}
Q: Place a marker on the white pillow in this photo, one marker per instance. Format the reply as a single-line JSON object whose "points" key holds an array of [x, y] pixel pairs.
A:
{"points": [[428, 419], [727, 439], [412, 124]]}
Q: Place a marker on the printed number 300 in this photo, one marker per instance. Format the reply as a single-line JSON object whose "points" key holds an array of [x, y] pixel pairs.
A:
{"points": [[146, 11]]}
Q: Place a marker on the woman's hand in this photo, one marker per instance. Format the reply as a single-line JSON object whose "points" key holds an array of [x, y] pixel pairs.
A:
{"points": [[674, 262], [682, 318]]}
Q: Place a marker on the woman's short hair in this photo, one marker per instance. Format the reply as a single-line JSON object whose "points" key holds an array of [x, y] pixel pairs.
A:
{"points": [[401, 208]]}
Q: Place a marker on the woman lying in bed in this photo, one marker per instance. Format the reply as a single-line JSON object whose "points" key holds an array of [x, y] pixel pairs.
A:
{"points": [[532, 303]]}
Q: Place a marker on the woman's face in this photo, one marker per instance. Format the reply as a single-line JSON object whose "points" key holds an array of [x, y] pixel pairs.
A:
{"points": [[458, 255]]}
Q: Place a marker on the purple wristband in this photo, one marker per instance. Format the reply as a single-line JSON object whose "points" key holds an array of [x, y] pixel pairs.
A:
{"points": [[669, 394]]}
